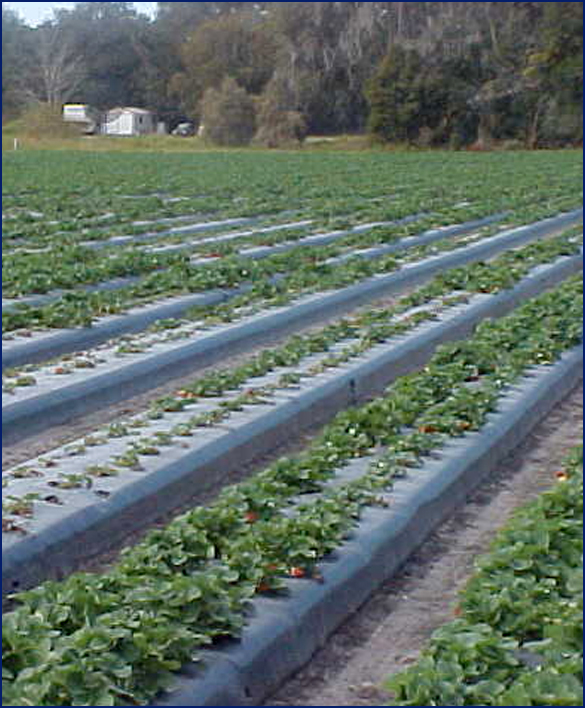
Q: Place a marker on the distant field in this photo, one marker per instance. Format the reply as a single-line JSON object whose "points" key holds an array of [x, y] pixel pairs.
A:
{"points": [[269, 180]]}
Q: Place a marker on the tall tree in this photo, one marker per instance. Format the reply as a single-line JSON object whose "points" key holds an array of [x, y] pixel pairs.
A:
{"points": [[183, 18], [60, 71], [239, 46], [554, 74], [482, 73], [397, 97], [17, 63], [450, 72], [328, 51], [104, 35]]}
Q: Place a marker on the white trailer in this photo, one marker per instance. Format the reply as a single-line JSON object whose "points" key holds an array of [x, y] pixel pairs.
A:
{"points": [[84, 115]]}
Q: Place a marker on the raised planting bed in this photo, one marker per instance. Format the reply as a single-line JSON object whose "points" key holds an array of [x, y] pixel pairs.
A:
{"points": [[518, 639], [195, 244], [18, 352], [131, 473], [60, 394], [74, 268], [40, 278], [293, 531], [74, 305], [147, 262], [173, 231], [324, 239], [283, 634]]}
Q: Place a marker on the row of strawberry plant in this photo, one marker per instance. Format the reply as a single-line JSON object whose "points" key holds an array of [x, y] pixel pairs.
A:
{"points": [[177, 235], [95, 461], [298, 270], [116, 638], [518, 639], [329, 275], [399, 210], [118, 230], [447, 211], [66, 266], [503, 272], [177, 419], [79, 308], [119, 224], [133, 264]]}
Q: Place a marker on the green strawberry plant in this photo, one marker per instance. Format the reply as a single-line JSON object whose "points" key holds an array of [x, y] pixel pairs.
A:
{"points": [[116, 638], [518, 639]]}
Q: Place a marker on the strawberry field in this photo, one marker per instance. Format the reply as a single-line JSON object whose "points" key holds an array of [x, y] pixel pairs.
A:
{"points": [[390, 317]]}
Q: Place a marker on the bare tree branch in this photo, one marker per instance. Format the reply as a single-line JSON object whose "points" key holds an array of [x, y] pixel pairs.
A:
{"points": [[61, 71]]}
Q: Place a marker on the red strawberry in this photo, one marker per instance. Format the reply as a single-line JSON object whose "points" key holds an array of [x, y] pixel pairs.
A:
{"points": [[297, 572]]}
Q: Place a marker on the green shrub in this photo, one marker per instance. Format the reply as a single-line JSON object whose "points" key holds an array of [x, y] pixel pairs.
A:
{"points": [[228, 115]]}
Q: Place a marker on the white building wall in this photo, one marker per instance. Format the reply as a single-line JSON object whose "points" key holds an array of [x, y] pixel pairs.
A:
{"points": [[129, 123]]}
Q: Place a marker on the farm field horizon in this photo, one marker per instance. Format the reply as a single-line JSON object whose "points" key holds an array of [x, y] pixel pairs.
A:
{"points": [[243, 367]]}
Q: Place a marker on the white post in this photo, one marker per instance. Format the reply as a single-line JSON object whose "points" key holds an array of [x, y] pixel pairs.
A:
{"points": [[16, 143]]}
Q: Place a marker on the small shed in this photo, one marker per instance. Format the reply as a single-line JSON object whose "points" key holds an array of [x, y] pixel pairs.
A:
{"points": [[129, 121]]}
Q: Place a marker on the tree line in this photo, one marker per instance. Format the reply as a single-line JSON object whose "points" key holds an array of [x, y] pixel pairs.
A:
{"points": [[429, 73]]}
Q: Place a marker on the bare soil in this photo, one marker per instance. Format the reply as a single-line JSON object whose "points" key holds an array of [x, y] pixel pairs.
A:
{"points": [[395, 624]]}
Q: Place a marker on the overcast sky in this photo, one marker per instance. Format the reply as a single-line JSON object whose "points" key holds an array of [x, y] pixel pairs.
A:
{"points": [[33, 13]]}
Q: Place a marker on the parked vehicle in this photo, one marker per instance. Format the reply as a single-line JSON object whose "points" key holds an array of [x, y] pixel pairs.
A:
{"points": [[184, 130]]}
